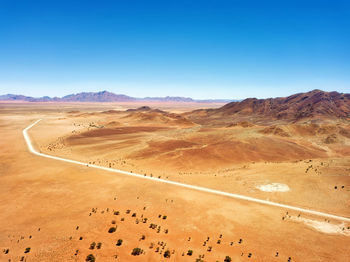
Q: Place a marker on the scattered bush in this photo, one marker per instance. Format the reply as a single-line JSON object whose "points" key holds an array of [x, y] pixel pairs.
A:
{"points": [[227, 259], [167, 254], [119, 242], [90, 258], [112, 230], [99, 245], [136, 251], [189, 252], [92, 245]]}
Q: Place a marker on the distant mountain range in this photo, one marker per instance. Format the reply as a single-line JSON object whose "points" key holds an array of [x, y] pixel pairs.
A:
{"points": [[105, 96]]}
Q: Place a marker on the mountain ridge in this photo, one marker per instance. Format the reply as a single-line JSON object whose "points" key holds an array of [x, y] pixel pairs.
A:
{"points": [[309, 105]]}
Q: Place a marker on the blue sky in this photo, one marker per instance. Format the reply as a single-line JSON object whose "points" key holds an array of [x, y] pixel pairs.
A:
{"points": [[202, 49]]}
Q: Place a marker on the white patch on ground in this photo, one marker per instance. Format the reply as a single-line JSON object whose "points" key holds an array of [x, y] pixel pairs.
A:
{"points": [[323, 226], [273, 187]]}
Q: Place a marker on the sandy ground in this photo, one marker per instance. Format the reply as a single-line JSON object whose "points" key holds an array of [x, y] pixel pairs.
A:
{"points": [[48, 206]]}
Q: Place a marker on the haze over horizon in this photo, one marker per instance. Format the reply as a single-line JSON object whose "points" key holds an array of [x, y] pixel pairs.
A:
{"points": [[202, 50]]}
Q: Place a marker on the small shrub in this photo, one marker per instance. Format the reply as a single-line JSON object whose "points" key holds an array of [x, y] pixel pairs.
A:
{"points": [[119, 242], [27, 250], [227, 259], [136, 251], [164, 217], [189, 252], [99, 245], [167, 254], [111, 230], [92, 245], [90, 258]]}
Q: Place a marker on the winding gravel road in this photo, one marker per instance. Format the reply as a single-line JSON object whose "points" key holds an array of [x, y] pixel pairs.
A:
{"points": [[198, 188]]}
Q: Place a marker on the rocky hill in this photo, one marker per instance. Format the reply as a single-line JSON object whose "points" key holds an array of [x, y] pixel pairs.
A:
{"points": [[310, 105]]}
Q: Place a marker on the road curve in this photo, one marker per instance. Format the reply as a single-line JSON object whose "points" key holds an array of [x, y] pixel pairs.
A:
{"points": [[198, 188]]}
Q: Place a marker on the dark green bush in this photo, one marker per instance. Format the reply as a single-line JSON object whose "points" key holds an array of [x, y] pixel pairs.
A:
{"points": [[112, 230], [136, 251], [90, 258], [167, 254], [227, 259]]}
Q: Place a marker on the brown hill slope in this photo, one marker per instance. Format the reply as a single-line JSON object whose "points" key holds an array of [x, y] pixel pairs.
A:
{"points": [[313, 104]]}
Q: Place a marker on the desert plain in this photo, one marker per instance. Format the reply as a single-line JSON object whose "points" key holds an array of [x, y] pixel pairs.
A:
{"points": [[57, 211]]}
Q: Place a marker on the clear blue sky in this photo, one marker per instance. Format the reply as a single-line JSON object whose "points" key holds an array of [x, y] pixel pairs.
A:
{"points": [[201, 49]]}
